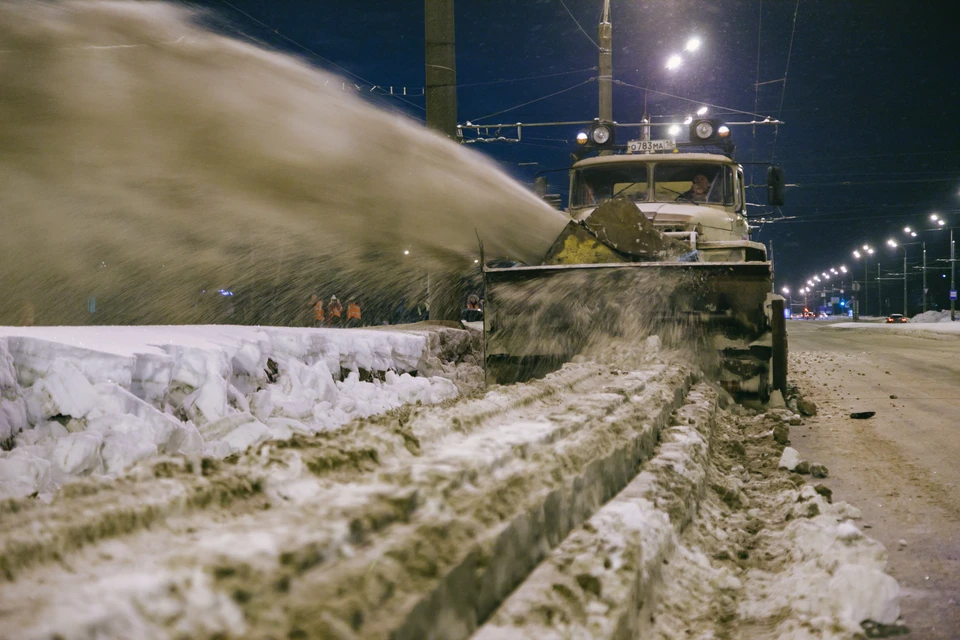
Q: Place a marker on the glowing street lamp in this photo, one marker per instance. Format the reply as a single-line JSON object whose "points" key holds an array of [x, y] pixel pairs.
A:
{"points": [[692, 44], [702, 111], [674, 62], [867, 250], [893, 245]]}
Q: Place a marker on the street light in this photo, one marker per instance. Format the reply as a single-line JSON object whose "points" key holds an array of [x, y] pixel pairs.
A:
{"points": [[693, 44], [893, 245], [953, 282], [702, 111], [867, 250], [674, 62]]}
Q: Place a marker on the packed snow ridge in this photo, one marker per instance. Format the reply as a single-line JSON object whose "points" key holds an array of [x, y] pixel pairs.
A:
{"points": [[81, 401], [932, 316]]}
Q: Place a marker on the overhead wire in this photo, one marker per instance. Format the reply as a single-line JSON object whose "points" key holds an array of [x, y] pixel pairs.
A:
{"points": [[555, 93], [311, 51], [545, 75], [756, 88], [700, 102], [854, 183], [786, 72], [592, 41]]}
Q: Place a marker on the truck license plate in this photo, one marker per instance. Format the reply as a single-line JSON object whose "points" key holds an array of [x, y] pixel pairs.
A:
{"points": [[646, 146]]}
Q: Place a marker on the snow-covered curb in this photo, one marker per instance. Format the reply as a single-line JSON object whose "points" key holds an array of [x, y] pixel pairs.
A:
{"points": [[605, 579], [88, 401], [598, 583], [937, 330]]}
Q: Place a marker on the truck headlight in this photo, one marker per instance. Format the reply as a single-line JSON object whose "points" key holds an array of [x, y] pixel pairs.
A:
{"points": [[704, 129], [601, 134]]}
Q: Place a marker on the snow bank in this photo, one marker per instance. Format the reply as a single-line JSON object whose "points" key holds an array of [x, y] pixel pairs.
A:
{"points": [[912, 327], [931, 316], [78, 401]]}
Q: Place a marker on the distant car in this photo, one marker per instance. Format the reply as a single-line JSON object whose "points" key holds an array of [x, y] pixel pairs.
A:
{"points": [[896, 317]]}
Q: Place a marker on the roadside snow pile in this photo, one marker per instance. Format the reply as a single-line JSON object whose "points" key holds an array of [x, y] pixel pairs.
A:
{"points": [[79, 401], [937, 330], [931, 316], [834, 575], [770, 552]]}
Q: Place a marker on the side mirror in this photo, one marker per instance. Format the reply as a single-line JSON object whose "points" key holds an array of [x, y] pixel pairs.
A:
{"points": [[540, 186], [775, 186]]}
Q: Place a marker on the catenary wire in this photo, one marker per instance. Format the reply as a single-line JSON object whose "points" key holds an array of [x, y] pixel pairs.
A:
{"points": [[311, 52], [594, 42], [700, 102], [783, 87], [545, 75], [555, 93]]}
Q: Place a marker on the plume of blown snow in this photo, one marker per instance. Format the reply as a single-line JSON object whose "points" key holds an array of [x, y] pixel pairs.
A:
{"points": [[146, 158]]}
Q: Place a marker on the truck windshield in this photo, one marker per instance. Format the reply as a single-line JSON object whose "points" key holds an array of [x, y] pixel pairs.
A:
{"points": [[675, 182], [593, 185]]}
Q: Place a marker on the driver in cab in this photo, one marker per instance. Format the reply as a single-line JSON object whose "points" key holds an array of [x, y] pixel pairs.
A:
{"points": [[698, 190]]}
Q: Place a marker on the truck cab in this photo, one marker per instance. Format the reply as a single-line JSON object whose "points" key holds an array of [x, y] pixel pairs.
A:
{"points": [[696, 197]]}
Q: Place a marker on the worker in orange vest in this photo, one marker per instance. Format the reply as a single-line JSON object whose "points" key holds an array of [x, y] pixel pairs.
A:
{"points": [[334, 312], [353, 313], [317, 304]]}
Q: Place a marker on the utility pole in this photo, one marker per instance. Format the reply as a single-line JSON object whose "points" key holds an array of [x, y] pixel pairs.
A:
{"points": [[953, 281], [443, 288], [441, 82], [879, 292], [866, 287], [605, 81], [905, 314], [924, 277]]}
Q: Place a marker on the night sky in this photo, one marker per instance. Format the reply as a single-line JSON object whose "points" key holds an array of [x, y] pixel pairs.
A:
{"points": [[870, 101]]}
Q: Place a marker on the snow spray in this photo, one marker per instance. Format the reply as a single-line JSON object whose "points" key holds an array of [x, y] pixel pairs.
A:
{"points": [[146, 161]]}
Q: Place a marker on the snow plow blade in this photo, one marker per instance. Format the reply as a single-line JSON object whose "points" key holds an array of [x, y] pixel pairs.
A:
{"points": [[537, 318]]}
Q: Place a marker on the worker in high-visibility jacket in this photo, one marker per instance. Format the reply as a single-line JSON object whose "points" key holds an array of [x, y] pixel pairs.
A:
{"points": [[334, 312], [353, 314], [317, 310]]}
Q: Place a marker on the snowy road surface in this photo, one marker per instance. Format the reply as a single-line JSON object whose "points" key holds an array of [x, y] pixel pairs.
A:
{"points": [[603, 501], [901, 466]]}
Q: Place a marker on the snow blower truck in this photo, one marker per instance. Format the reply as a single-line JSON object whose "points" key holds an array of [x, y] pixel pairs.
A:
{"points": [[657, 244]]}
